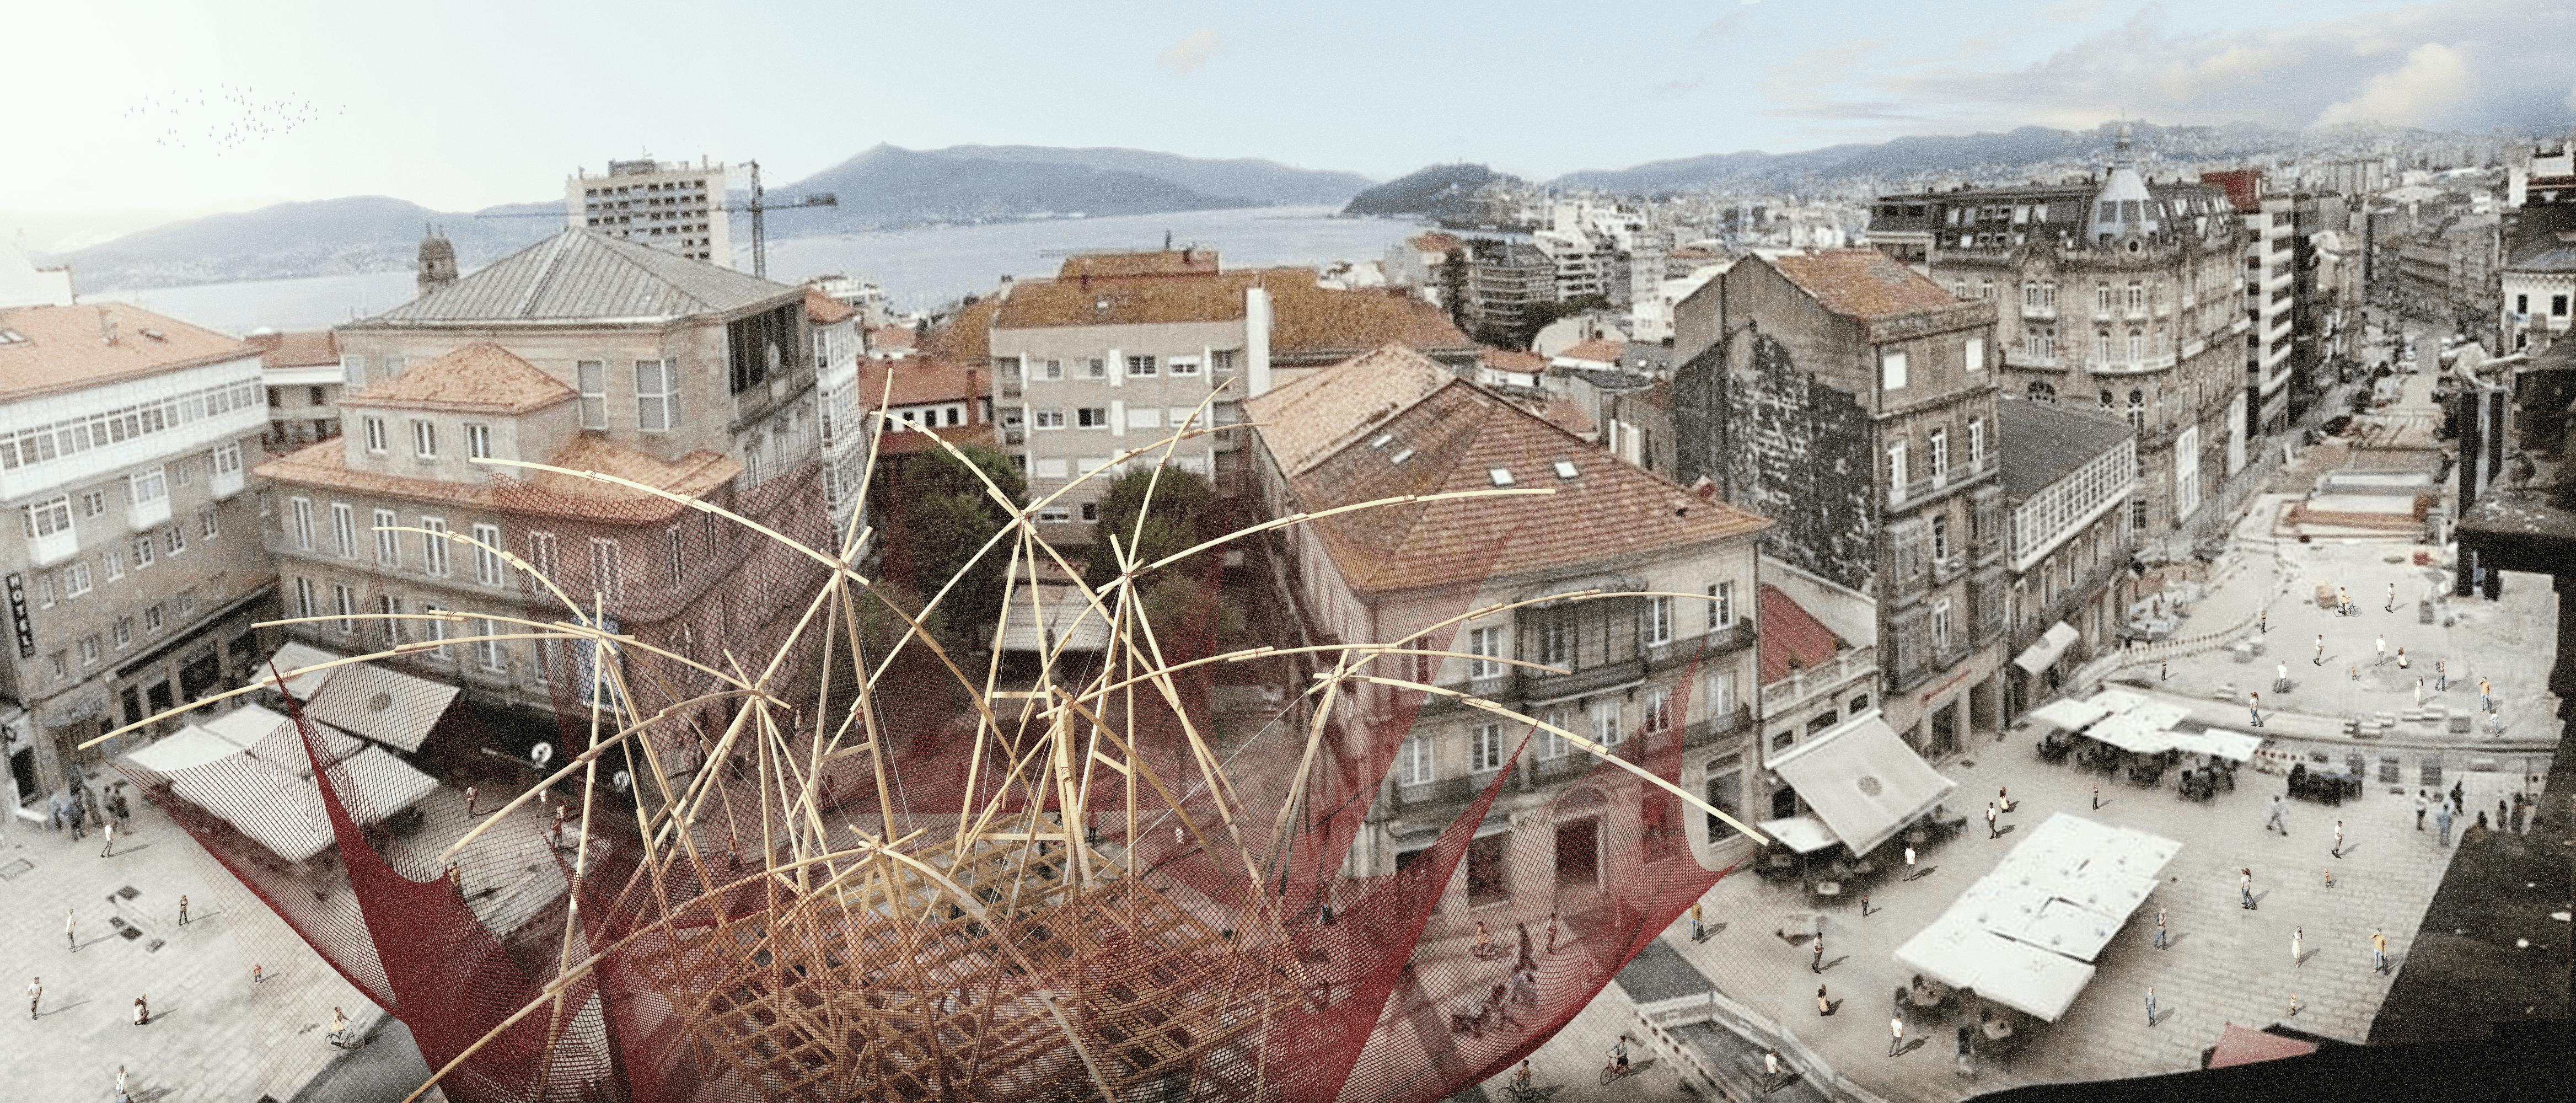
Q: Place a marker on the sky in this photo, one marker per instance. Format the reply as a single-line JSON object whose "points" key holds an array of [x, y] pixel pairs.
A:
{"points": [[163, 110]]}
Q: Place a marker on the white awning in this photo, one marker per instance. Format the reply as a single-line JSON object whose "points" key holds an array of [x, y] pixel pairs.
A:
{"points": [[2127, 732], [2039, 656], [179, 750], [1863, 781], [2023, 933], [1062, 617], [2026, 978], [2220, 742], [385, 784], [1804, 834], [388, 706], [274, 809], [297, 656], [2069, 714]]}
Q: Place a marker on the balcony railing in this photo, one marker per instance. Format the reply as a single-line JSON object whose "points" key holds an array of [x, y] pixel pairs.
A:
{"points": [[54, 547], [1550, 687], [1708, 645], [1802, 684], [1930, 486], [144, 515], [2100, 366]]}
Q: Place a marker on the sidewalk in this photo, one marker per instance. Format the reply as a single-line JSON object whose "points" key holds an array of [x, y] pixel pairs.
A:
{"points": [[214, 1036]]}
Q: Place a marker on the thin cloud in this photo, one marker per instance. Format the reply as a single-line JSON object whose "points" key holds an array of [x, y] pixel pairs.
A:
{"points": [[2434, 80], [1185, 56], [1726, 27], [1672, 88], [1798, 85]]}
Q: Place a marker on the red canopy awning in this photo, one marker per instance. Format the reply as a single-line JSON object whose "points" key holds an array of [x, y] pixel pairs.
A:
{"points": [[2240, 1046]]}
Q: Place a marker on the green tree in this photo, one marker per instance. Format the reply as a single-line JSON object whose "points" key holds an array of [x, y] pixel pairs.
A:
{"points": [[1453, 285], [946, 515], [1182, 504]]}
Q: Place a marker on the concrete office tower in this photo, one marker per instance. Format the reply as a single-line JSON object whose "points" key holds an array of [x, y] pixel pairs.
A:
{"points": [[667, 205]]}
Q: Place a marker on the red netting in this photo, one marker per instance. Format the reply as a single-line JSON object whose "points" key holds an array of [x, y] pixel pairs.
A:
{"points": [[826, 861]]}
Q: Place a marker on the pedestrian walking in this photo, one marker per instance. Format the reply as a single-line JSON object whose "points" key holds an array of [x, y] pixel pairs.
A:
{"points": [[1695, 926], [2442, 819], [2382, 644], [2280, 677], [255, 969], [2245, 888], [2295, 957], [142, 1011], [183, 909], [1992, 831], [2160, 928], [2164, 669], [1818, 965], [469, 800], [1896, 1026], [2294, 1007], [2421, 803], [2254, 708], [109, 829], [2003, 800], [71, 932], [1823, 1006], [1864, 905], [36, 995], [2401, 658], [2459, 803], [2263, 620], [120, 1079], [2441, 675], [2419, 692], [2338, 846], [2321, 649], [1770, 1069], [2276, 822], [1909, 862], [2329, 878], [2392, 597], [2486, 695], [2151, 1005], [2353, 670], [1551, 932]]}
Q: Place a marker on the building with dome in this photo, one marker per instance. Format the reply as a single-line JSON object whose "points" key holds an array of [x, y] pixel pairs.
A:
{"points": [[2116, 292]]}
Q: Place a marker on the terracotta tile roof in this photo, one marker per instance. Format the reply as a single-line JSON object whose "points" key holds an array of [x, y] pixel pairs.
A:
{"points": [[324, 464], [1601, 352], [1790, 632], [1315, 321], [968, 337], [920, 379], [1862, 283], [481, 377], [307, 348], [1303, 421], [823, 310], [892, 338], [1435, 242], [1173, 262], [1526, 363], [61, 348], [908, 442], [1450, 440], [1040, 304]]}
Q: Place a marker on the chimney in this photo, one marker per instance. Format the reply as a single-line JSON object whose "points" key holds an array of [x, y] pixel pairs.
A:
{"points": [[106, 327]]}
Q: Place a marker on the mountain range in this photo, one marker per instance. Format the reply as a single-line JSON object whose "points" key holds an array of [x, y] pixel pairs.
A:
{"points": [[887, 186]]}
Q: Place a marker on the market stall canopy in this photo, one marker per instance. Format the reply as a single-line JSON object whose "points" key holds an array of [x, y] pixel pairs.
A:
{"points": [[388, 706], [2240, 1046], [2219, 742], [1804, 834], [1062, 616], [2061, 894], [276, 810], [272, 740], [2129, 733], [1863, 781], [385, 784], [2051, 644], [249, 767], [189, 746], [2069, 714], [297, 656], [2028, 979]]}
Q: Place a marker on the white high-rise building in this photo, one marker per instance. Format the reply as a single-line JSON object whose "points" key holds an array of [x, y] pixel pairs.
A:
{"points": [[668, 205]]}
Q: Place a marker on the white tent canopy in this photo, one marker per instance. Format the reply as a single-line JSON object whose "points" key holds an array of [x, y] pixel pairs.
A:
{"points": [[2023, 933], [2038, 656], [297, 656], [2026, 978], [1863, 781], [2069, 714], [384, 705], [1804, 834], [2219, 742], [249, 767]]}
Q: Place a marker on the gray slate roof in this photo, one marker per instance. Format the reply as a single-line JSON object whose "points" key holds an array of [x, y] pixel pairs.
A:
{"points": [[583, 274], [2043, 442]]}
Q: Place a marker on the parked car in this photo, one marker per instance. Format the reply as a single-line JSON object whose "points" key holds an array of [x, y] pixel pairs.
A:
{"points": [[2336, 425]]}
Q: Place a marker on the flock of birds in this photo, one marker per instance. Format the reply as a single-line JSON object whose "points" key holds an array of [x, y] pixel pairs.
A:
{"points": [[224, 118]]}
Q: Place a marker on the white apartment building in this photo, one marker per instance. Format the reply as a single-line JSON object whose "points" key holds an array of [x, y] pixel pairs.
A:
{"points": [[134, 574], [673, 205], [835, 327], [2270, 275]]}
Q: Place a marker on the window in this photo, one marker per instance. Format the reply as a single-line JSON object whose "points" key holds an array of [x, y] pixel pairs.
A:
{"points": [[2558, 306], [48, 517], [541, 553], [144, 487], [1557, 639], [1940, 536], [188, 602], [2137, 346], [1552, 746], [1004, 366], [657, 396], [478, 441], [487, 557], [433, 630], [388, 543], [76, 580], [1891, 370], [2137, 515], [45, 589], [1047, 418], [1054, 370], [374, 428], [592, 375], [1221, 361], [123, 632], [183, 473], [1605, 724], [607, 569], [93, 503], [1090, 511], [1657, 715], [1140, 365], [1184, 365], [344, 530], [1091, 417], [1485, 748], [2102, 298], [1941, 625], [2102, 345], [490, 654], [2043, 392], [174, 539], [2106, 401], [1976, 355], [207, 524], [1413, 761], [1896, 472], [353, 371], [1144, 417], [1721, 606], [391, 607], [1487, 645], [115, 563], [2137, 296], [1054, 515], [1095, 368], [1976, 443], [89, 649], [1659, 620], [433, 546], [1938, 448], [62, 664], [344, 601], [424, 439], [2137, 410], [143, 551], [303, 597]]}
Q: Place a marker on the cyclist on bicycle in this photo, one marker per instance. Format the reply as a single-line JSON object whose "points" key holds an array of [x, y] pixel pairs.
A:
{"points": [[1619, 1055], [1521, 1078]]}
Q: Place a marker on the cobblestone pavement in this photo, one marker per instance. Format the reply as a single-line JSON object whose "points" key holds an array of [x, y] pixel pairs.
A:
{"points": [[213, 1035]]}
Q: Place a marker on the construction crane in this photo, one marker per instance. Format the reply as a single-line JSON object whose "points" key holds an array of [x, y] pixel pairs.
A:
{"points": [[759, 206]]}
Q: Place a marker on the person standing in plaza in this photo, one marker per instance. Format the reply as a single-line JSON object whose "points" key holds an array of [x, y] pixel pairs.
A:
{"points": [[2321, 649], [1824, 1006], [142, 1011], [2003, 800], [1695, 924], [2442, 819], [2280, 677], [2392, 597], [2343, 602], [2441, 675], [2338, 846], [2164, 670], [1818, 965], [469, 800], [1992, 832], [2401, 658], [2254, 708], [2353, 671], [2421, 803], [1896, 1026], [2381, 643], [2151, 1005], [2245, 888], [2276, 822], [2378, 951], [71, 931], [2486, 695], [183, 909], [108, 830], [2419, 692], [2160, 928], [2295, 957], [36, 995], [1909, 861], [2459, 801]]}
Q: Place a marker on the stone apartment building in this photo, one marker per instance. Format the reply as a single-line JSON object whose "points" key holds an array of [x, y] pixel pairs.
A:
{"points": [[2538, 265], [2068, 543], [134, 574], [1819, 671], [1639, 667], [1852, 400], [302, 373], [2117, 293]]}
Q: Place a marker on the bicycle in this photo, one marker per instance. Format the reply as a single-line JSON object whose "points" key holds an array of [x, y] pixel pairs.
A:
{"points": [[1614, 1071], [1518, 1093]]}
